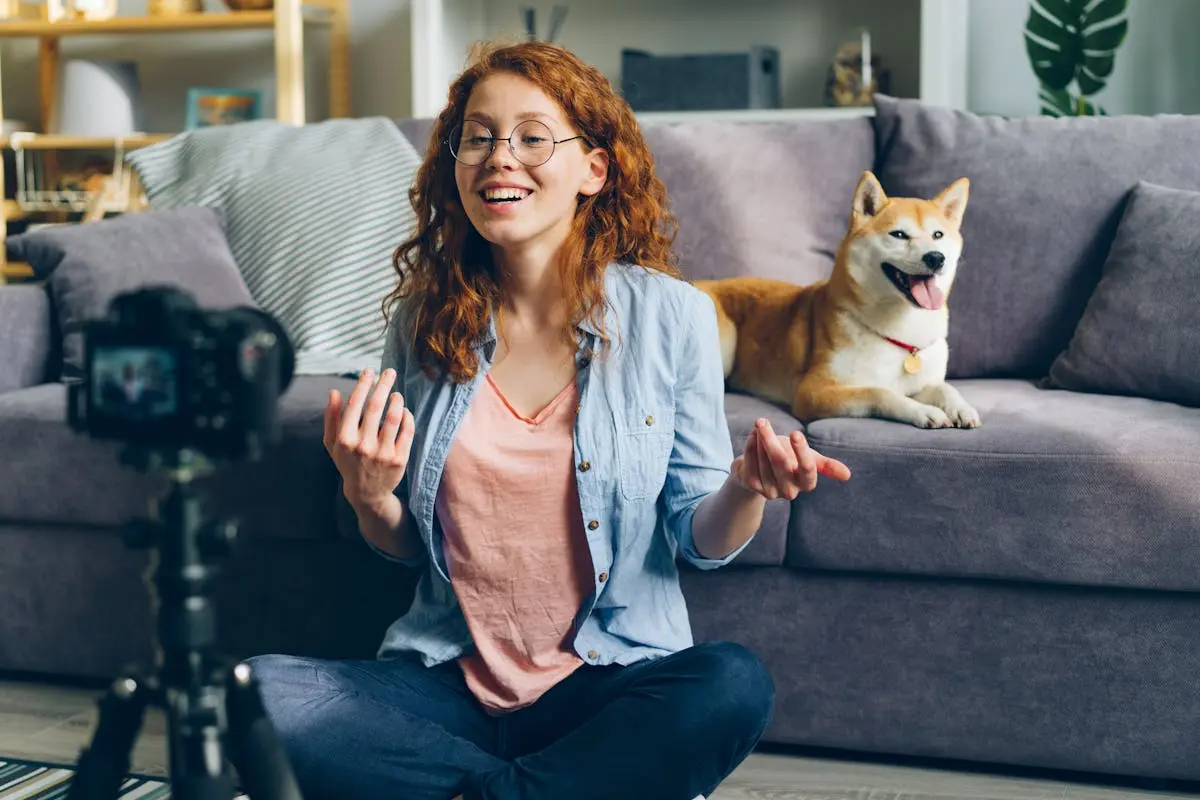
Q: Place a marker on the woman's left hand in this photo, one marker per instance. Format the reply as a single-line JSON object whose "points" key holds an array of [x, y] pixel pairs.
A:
{"points": [[777, 466]]}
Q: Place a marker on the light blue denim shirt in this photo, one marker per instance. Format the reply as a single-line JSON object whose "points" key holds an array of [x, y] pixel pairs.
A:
{"points": [[651, 442]]}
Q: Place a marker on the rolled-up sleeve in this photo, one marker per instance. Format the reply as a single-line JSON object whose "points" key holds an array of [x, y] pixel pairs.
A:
{"points": [[703, 450]]}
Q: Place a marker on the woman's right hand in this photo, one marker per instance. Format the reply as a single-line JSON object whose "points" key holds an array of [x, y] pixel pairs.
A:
{"points": [[369, 449]]}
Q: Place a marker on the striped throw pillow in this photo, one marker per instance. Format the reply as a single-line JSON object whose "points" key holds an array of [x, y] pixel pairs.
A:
{"points": [[313, 214]]}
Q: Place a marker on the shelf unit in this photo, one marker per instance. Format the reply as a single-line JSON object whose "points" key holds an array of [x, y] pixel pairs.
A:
{"points": [[928, 38], [287, 21]]}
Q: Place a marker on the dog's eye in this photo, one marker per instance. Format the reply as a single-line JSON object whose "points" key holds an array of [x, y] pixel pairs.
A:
{"points": [[899, 234], [937, 234]]}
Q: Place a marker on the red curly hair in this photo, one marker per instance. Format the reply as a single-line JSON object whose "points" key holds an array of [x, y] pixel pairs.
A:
{"points": [[446, 269]]}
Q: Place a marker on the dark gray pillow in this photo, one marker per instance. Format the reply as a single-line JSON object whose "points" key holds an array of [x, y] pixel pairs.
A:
{"points": [[1046, 194], [86, 265], [1138, 335]]}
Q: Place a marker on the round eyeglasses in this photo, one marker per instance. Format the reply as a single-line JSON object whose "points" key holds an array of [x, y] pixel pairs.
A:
{"points": [[532, 143]]}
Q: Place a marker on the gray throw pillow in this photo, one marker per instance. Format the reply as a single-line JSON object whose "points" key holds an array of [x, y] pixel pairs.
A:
{"points": [[1138, 335], [86, 265]]}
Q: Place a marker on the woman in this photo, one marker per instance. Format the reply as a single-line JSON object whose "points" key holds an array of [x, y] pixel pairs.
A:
{"points": [[558, 436]]}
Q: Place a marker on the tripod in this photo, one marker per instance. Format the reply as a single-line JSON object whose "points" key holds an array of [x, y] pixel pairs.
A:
{"points": [[210, 702]]}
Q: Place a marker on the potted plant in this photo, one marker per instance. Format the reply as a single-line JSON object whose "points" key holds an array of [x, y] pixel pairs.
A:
{"points": [[1072, 47]]}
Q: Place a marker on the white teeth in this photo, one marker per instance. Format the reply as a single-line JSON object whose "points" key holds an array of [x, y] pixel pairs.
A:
{"points": [[506, 194]]}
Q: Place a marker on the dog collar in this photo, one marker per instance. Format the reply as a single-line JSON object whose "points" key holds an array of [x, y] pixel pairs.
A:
{"points": [[912, 362], [903, 345]]}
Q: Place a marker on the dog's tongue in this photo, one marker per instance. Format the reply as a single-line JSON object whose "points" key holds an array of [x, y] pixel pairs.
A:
{"points": [[927, 293]]}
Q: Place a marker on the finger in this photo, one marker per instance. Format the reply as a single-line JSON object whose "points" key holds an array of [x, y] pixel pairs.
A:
{"points": [[376, 405], [750, 462], [348, 433], [782, 458], [766, 474], [391, 423], [802, 471], [806, 457], [832, 468], [408, 427], [333, 410]]}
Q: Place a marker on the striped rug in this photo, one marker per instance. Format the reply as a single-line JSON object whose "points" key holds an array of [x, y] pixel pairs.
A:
{"points": [[40, 780]]}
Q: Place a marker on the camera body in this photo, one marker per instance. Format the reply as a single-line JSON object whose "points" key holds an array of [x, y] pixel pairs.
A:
{"points": [[163, 374]]}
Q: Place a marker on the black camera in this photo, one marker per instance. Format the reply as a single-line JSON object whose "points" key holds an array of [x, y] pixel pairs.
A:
{"points": [[164, 374]]}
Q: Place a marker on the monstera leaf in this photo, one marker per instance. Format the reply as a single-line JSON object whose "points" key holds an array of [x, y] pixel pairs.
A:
{"points": [[1073, 42]]}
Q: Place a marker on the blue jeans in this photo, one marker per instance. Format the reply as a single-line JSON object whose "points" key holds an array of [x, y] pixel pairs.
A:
{"points": [[666, 729]]}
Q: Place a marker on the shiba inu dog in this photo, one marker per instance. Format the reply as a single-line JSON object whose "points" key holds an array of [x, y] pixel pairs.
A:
{"points": [[870, 341]]}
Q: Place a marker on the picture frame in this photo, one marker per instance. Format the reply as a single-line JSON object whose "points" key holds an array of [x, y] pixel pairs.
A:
{"points": [[208, 106]]}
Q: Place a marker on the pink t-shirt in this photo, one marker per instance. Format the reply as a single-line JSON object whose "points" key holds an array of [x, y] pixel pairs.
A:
{"points": [[515, 545]]}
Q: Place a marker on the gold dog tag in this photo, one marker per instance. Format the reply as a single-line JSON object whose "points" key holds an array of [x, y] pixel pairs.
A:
{"points": [[912, 363]]}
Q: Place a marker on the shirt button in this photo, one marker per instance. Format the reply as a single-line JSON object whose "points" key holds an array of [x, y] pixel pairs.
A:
{"points": [[593, 655], [593, 525], [603, 577], [649, 419], [584, 466]]}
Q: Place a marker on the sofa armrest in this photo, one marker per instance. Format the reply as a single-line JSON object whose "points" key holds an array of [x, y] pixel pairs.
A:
{"points": [[27, 341]]}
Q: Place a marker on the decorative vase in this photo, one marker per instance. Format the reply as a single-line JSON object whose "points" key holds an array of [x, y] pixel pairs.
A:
{"points": [[100, 98]]}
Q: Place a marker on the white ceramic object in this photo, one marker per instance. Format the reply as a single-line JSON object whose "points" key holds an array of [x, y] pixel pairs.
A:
{"points": [[99, 98]]}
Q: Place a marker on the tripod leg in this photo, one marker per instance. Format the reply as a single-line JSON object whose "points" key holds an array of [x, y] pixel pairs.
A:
{"points": [[103, 766], [255, 748]]}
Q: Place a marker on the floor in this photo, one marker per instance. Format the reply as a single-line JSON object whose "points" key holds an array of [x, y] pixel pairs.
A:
{"points": [[51, 723]]}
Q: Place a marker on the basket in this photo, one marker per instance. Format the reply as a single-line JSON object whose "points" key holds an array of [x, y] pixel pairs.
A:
{"points": [[107, 193]]}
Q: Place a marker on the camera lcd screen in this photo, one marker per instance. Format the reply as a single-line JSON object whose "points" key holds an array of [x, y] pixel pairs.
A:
{"points": [[134, 383]]}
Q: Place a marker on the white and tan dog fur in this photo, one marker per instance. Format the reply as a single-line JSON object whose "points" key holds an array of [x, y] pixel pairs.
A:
{"points": [[870, 341]]}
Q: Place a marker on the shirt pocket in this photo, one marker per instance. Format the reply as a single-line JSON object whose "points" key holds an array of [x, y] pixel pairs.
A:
{"points": [[645, 437]]}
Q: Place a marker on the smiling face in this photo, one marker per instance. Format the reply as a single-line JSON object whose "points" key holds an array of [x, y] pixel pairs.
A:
{"points": [[518, 208], [906, 249]]}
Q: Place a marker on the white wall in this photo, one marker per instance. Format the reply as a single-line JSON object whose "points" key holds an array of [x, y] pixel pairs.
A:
{"points": [[169, 64], [1157, 67], [807, 34]]}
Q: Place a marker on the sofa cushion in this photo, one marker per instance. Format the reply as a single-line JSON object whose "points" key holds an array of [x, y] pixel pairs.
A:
{"points": [[1046, 195], [315, 212], [60, 476], [1138, 335], [1055, 487], [765, 199], [85, 266]]}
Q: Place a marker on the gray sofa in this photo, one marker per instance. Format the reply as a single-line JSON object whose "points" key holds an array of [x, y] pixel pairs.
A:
{"points": [[1024, 593]]}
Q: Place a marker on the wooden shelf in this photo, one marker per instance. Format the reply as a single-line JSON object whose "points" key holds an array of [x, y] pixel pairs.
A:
{"points": [[52, 141], [203, 21], [12, 211], [15, 269]]}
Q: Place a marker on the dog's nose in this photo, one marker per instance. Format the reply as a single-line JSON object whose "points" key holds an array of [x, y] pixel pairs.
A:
{"points": [[934, 260]]}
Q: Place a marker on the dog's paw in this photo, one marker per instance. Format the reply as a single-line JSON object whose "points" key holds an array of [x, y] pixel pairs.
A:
{"points": [[963, 415], [927, 416]]}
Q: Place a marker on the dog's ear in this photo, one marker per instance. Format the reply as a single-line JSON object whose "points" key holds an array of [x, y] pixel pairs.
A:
{"points": [[953, 201], [869, 198]]}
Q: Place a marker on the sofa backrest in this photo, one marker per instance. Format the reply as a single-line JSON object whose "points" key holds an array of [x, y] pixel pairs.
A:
{"points": [[1046, 196], [768, 199]]}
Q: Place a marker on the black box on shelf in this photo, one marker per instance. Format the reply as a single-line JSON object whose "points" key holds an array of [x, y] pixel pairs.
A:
{"points": [[701, 82]]}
